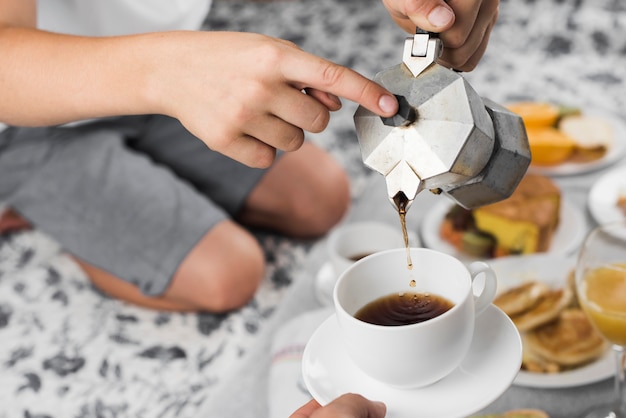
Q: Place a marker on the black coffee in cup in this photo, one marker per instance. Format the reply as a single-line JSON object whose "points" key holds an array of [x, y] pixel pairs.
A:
{"points": [[357, 257], [403, 309]]}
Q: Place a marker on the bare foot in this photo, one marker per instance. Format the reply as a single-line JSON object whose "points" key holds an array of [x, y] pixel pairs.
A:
{"points": [[11, 221]]}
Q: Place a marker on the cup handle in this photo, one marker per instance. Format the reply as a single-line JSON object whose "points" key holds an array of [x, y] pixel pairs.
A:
{"points": [[482, 301]]}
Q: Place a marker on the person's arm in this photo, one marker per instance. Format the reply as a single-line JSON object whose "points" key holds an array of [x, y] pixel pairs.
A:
{"points": [[464, 25], [48, 78], [349, 405], [240, 93]]}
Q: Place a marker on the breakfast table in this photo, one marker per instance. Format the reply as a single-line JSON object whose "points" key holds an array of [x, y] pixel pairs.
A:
{"points": [[252, 386], [68, 350], [565, 52]]}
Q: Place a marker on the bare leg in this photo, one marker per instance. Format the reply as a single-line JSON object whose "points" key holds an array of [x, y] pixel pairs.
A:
{"points": [[221, 273], [304, 195], [12, 221]]}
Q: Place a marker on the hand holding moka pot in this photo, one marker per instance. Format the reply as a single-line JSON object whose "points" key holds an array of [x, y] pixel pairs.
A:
{"points": [[445, 137]]}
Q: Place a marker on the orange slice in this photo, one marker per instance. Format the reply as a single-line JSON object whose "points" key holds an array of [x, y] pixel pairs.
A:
{"points": [[536, 114], [549, 146]]}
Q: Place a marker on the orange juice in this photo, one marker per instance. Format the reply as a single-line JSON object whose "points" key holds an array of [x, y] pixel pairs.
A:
{"points": [[603, 296]]}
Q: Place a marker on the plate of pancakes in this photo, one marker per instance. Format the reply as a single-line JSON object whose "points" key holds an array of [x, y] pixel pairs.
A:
{"points": [[560, 346]]}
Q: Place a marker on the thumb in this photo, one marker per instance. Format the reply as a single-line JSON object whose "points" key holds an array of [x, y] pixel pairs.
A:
{"points": [[431, 15]]}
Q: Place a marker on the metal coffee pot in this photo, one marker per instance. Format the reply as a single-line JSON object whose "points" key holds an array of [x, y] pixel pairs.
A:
{"points": [[445, 138]]}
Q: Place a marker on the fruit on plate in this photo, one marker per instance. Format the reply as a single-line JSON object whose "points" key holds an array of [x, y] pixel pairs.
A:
{"points": [[592, 135], [536, 114], [549, 146], [559, 134]]}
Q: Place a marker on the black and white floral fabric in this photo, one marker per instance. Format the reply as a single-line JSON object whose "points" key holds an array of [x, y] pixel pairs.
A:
{"points": [[68, 351]]}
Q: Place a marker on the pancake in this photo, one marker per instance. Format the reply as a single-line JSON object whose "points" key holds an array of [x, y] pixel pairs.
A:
{"points": [[569, 341], [525, 413], [556, 334], [621, 204], [521, 298], [533, 363], [546, 310], [517, 413]]}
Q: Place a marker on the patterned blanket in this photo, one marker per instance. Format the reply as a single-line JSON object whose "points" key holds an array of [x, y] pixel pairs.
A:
{"points": [[68, 351]]}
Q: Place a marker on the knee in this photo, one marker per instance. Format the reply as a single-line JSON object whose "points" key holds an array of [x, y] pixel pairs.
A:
{"points": [[236, 287], [223, 272], [316, 209]]}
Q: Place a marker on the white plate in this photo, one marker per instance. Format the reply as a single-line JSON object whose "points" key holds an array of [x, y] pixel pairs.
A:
{"points": [[567, 237], [552, 270], [493, 360], [325, 284], [615, 152], [603, 196]]}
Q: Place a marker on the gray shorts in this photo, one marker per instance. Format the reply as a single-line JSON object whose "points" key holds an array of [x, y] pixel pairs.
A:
{"points": [[131, 195]]}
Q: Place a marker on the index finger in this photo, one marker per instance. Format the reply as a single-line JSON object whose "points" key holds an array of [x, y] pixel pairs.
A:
{"points": [[310, 71], [354, 406], [306, 410]]}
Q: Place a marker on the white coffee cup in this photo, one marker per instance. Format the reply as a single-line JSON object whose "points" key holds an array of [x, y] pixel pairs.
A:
{"points": [[349, 242], [415, 355]]}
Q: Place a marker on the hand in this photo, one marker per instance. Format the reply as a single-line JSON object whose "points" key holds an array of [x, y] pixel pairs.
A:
{"points": [[11, 221], [246, 95], [465, 26], [346, 406]]}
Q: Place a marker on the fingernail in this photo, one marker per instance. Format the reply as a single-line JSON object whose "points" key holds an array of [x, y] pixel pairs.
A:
{"points": [[440, 16], [388, 104], [334, 99]]}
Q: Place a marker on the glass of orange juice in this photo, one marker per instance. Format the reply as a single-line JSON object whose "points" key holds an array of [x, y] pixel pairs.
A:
{"points": [[601, 287]]}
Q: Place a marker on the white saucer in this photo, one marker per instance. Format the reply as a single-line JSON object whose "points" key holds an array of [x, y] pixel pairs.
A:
{"points": [[325, 283], [604, 194], [492, 363]]}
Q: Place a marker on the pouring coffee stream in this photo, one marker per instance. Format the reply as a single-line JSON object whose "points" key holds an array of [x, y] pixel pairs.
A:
{"points": [[401, 201], [444, 138]]}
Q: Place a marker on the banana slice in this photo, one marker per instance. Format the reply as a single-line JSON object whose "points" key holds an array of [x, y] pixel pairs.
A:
{"points": [[589, 132]]}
